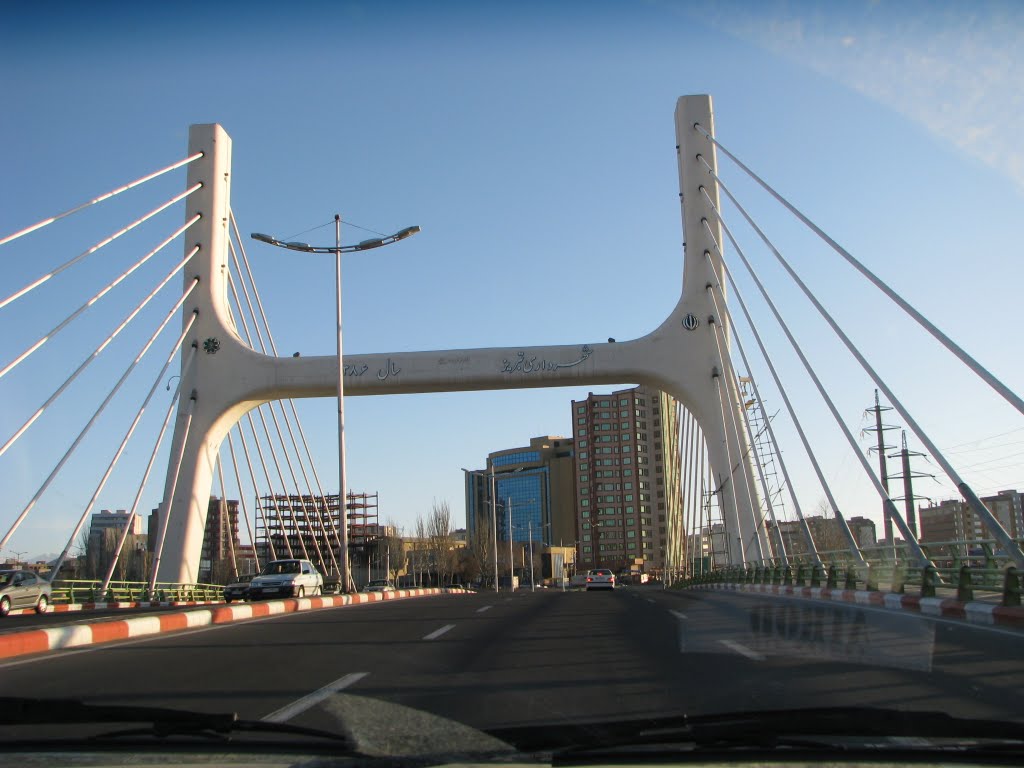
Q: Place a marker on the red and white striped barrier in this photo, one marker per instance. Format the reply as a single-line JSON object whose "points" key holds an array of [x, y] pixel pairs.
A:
{"points": [[74, 636], [974, 612]]}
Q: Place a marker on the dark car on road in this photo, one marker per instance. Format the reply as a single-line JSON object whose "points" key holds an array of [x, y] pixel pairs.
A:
{"points": [[23, 589], [238, 589]]}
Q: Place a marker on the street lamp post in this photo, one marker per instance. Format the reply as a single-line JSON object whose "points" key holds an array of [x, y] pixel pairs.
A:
{"points": [[337, 250]]}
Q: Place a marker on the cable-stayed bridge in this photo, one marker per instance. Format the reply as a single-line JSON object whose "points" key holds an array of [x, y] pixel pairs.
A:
{"points": [[230, 423]]}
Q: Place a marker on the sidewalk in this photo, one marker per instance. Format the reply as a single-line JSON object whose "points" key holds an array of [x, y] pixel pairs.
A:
{"points": [[974, 612], [77, 635]]}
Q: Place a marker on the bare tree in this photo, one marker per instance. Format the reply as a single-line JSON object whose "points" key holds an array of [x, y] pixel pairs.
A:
{"points": [[481, 545], [440, 541], [825, 530]]}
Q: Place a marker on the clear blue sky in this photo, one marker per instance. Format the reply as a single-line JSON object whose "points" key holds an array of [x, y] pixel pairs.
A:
{"points": [[533, 143]]}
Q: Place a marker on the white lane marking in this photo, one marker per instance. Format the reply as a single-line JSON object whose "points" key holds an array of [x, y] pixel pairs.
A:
{"points": [[742, 650], [485, 608], [649, 600], [284, 714], [438, 632], [678, 615]]}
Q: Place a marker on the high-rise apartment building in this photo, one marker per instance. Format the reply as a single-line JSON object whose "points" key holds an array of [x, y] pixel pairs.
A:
{"points": [[954, 520], [628, 491]]}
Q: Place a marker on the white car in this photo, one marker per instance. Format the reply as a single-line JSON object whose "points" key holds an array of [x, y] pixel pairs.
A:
{"points": [[600, 578], [287, 578], [379, 585]]}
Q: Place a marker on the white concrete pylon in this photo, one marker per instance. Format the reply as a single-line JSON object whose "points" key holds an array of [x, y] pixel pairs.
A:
{"points": [[229, 378]]}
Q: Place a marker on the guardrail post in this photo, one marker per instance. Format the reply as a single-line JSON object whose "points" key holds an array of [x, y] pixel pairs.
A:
{"points": [[833, 576], [964, 590], [787, 576], [815, 575], [799, 578], [899, 578], [851, 579], [928, 578], [1011, 587], [870, 579]]}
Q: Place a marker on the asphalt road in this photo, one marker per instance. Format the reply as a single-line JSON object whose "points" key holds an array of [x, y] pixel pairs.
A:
{"points": [[538, 658]]}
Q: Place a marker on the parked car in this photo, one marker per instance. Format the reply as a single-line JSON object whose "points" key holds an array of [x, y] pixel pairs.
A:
{"points": [[286, 578], [23, 589], [379, 585], [238, 589], [600, 578]]}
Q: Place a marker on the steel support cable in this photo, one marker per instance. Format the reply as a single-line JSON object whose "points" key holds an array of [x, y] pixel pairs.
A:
{"points": [[688, 521], [886, 501], [694, 501], [259, 509], [728, 373], [100, 199], [160, 437], [270, 485], [78, 312], [792, 413], [96, 414], [700, 510], [1009, 395], [53, 273], [241, 502], [280, 437], [983, 513], [245, 274], [145, 477], [248, 274], [96, 353], [768, 425], [225, 510], [770, 512], [732, 477], [165, 518]]}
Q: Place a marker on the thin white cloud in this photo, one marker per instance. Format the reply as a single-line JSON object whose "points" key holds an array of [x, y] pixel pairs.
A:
{"points": [[955, 68]]}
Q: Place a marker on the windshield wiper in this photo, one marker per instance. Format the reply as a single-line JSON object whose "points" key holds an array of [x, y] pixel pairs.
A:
{"points": [[160, 722], [769, 729]]}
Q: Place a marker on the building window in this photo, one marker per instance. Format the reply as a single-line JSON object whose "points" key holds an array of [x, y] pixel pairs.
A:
{"points": [[583, 443], [583, 466], [584, 502], [586, 537], [581, 409], [584, 455], [587, 549], [582, 431], [584, 478], [630, 534]]}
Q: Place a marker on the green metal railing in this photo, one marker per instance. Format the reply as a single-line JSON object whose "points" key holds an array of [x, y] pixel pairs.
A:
{"points": [[967, 570], [73, 591], [964, 582]]}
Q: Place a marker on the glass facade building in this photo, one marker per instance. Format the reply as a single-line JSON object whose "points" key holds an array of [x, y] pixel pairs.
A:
{"points": [[533, 485]]}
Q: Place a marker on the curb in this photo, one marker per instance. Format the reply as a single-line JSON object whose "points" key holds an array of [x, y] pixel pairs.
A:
{"points": [[975, 612], [67, 607], [78, 635]]}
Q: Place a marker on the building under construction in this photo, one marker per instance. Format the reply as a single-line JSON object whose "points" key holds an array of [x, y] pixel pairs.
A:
{"points": [[310, 527]]}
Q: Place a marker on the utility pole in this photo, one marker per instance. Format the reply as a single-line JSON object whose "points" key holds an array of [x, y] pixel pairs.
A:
{"points": [[881, 448], [908, 484]]}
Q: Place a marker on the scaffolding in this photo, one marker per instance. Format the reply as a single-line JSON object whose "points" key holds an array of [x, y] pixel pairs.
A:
{"points": [[764, 452], [310, 527]]}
